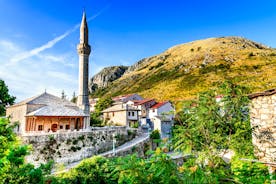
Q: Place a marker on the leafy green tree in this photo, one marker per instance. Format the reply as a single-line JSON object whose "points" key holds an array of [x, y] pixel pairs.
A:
{"points": [[13, 169], [95, 170], [102, 104], [74, 98], [209, 127], [5, 98]]}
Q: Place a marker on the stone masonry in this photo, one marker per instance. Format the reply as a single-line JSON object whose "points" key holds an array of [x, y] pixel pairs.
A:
{"points": [[263, 122], [70, 147]]}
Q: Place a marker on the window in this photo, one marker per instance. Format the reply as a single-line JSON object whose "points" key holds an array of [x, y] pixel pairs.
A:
{"points": [[40, 127], [67, 127], [132, 113], [112, 113], [61, 127], [128, 113]]}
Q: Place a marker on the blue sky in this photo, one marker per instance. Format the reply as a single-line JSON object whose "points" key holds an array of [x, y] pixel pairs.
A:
{"points": [[38, 40]]}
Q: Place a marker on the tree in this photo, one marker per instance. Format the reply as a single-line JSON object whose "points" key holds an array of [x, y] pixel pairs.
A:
{"points": [[13, 168], [102, 104], [209, 127], [5, 98], [74, 98]]}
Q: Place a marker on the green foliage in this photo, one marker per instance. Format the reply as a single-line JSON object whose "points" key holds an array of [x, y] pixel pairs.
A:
{"points": [[93, 170], [95, 120], [155, 134], [102, 104], [209, 126], [206, 128], [5, 98], [248, 172], [74, 98], [159, 168], [13, 169]]}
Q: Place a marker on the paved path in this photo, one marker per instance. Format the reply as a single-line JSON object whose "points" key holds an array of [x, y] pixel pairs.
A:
{"points": [[128, 144], [123, 147]]}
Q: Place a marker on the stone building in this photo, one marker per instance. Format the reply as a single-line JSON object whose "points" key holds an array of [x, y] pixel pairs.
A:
{"points": [[263, 122], [48, 113], [121, 114]]}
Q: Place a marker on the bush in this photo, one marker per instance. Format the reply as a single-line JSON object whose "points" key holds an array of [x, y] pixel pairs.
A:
{"points": [[155, 134], [248, 172]]}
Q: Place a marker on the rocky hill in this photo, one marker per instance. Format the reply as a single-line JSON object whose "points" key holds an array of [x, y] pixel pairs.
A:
{"points": [[182, 71], [105, 77]]}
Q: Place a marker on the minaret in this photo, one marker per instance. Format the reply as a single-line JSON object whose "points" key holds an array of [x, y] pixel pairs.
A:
{"points": [[84, 51]]}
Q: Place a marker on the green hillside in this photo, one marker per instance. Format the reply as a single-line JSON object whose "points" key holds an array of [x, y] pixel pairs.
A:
{"points": [[182, 71]]}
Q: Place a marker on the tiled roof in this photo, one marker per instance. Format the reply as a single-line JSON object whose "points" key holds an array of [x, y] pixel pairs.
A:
{"points": [[159, 104], [56, 111], [120, 107], [140, 102], [45, 99], [51, 105], [265, 93]]}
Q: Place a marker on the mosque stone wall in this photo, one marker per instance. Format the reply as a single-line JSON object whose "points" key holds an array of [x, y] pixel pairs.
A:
{"points": [[70, 147]]}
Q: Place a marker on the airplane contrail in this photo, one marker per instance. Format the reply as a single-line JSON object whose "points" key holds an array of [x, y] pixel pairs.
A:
{"points": [[51, 43]]}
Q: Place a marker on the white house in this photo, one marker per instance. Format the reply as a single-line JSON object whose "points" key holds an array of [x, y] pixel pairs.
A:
{"points": [[143, 105], [161, 115]]}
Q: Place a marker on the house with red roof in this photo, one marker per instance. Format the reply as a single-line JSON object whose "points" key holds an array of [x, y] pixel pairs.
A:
{"points": [[161, 115], [143, 105]]}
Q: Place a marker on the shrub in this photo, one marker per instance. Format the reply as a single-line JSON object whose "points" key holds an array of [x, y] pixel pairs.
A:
{"points": [[251, 54], [155, 134]]}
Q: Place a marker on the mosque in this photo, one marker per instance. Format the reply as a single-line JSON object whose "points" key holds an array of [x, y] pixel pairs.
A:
{"points": [[48, 113]]}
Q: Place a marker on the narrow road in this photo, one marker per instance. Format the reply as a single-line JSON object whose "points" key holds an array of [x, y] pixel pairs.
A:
{"points": [[123, 147], [128, 144]]}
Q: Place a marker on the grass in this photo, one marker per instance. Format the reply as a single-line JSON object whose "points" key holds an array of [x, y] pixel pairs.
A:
{"points": [[181, 74]]}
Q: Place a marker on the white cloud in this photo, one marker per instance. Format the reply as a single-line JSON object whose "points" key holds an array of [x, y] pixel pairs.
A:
{"points": [[30, 72], [33, 75], [27, 54]]}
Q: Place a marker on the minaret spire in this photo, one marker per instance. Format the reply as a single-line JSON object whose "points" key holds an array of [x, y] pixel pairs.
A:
{"points": [[84, 29], [84, 52]]}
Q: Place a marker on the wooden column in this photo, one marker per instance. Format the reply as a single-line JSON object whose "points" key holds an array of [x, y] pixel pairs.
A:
{"points": [[35, 124]]}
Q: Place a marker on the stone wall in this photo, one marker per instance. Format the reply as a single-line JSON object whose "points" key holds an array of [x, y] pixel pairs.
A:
{"points": [[74, 146], [263, 122]]}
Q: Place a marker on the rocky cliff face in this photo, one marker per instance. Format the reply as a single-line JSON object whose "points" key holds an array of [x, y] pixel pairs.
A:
{"points": [[106, 76]]}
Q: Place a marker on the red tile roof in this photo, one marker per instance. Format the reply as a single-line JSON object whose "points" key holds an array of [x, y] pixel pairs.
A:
{"points": [[159, 104]]}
